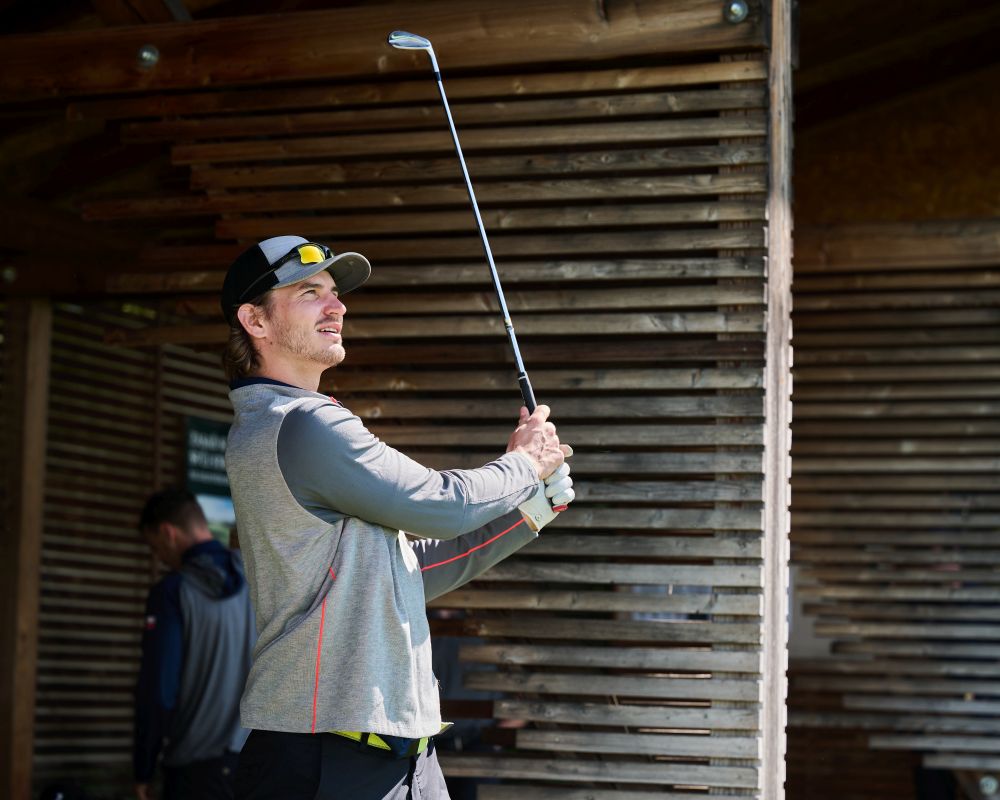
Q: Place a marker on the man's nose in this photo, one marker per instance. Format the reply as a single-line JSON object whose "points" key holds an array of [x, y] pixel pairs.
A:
{"points": [[335, 305]]}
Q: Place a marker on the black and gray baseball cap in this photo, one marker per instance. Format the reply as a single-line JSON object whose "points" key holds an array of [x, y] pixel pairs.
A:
{"points": [[282, 261]]}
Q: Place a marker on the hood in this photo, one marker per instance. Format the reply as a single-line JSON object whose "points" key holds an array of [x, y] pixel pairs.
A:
{"points": [[213, 569]]}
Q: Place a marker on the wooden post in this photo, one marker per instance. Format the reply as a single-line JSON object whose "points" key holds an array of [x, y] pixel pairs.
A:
{"points": [[777, 404], [29, 333]]}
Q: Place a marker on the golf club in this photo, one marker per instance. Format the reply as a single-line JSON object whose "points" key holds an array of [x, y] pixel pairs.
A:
{"points": [[410, 41]]}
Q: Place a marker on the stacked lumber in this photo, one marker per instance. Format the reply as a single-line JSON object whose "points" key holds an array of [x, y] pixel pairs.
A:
{"points": [[896, 494]]}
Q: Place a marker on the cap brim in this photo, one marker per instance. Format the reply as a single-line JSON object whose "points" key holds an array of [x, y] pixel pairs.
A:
{"points": [[349, 271]]}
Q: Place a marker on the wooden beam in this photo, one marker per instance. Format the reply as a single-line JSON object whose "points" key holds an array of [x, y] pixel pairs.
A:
{"points": [[777, 407], [313, 45], [29, 331]]}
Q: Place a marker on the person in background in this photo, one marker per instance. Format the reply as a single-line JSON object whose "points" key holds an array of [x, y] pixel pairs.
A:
{"points": [[196, 651]]}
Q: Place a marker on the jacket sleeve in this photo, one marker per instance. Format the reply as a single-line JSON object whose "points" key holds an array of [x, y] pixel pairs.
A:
{"points": [[446, 565], [330, 461], [159, 674]]}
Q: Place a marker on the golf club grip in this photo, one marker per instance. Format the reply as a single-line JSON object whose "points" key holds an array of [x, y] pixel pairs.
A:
{"points": [[527, 392]]}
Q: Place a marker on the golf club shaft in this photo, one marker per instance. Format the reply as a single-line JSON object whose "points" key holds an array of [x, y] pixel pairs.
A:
{"points": [[522, 376], [408, 41]]}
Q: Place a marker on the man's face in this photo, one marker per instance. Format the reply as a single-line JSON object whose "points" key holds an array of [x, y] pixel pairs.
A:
{"points": [[306, 320]]}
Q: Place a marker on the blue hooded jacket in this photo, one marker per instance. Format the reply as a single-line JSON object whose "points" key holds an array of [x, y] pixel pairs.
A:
{"points": [[196, 651]]}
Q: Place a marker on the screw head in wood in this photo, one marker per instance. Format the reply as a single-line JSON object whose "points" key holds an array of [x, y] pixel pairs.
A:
{"points": [[736, 11], [148, 56], [988, 785]]}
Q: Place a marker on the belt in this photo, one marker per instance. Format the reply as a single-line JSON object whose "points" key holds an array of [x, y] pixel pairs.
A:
{"points": [[399, 746]]}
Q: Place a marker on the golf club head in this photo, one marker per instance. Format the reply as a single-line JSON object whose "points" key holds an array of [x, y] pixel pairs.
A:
{"points": [[403, 40]]}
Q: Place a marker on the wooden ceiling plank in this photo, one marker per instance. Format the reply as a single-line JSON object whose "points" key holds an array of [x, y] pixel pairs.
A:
{"points": [[460, 90], [312, 45]]}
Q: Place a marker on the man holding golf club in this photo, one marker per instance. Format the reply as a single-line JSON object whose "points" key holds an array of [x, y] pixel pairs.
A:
{"points": [[341, 698]]}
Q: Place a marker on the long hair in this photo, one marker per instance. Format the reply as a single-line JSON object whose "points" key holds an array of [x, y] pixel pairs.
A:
{"points": [[240, 358]]}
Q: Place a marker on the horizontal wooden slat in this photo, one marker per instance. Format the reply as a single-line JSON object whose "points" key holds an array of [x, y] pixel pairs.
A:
{"points": [[459, 88], [603, 298], [908, 611], [527, 324], [548, 792], [672, 716], [663, 688], [885, 666], [481, 380], [618, 630], [902, 721], [960, 761], [891, 301], [558, 220], [429, 170], [639, 744], [735, 605], [717, 546], [406, 209], [473, 140], [924, 704], [924, 245], [898, 685], [600, 771], [619, 657], [522, 570], [466, 115]]}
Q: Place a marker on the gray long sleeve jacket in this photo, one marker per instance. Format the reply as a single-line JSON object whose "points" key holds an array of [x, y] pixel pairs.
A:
{"points": [[339, 591]]}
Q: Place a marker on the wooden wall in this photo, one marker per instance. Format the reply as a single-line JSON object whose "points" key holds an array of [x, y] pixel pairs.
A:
{"points": [[896, 500], [116, 433], [625, 197]]}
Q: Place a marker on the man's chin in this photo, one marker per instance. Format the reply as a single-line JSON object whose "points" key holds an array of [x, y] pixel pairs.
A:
{"points": [[334, 356]]}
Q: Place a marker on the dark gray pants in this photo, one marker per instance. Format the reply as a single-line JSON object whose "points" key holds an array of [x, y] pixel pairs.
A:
{"points": [[202, 780], [324, 766]]}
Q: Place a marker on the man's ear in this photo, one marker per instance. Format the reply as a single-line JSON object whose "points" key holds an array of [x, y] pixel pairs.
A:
{"points": [[253, 320], [165, 531]]}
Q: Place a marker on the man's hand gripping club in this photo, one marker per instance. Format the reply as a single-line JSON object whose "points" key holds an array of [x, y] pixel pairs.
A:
{"points": [[536, 438]]}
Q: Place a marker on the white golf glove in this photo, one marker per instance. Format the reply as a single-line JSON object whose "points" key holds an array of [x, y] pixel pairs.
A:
{"points": [[553, 495]]}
